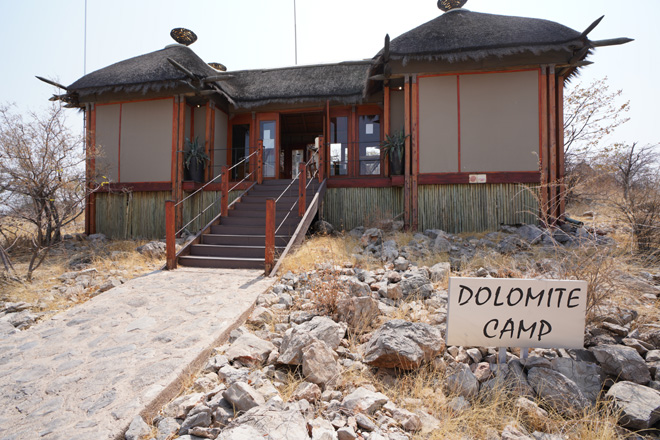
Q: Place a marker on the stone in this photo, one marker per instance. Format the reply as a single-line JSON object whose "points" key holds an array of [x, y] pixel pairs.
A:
{"points": [[260, 316], [512, 432], [557, 391], [403, 344], [408, 420], [241, 432], [354, 286], [138, 429], [267, 422], [216, 362], [462, 382], [516, 379], [417, 285], [307, 391], [586, 375], [482, 371], [299, 337], [511, 244], [203, 432], [249, 349], [229, 374], [110, 283], [199, 416], [346, 433], [639, 405], [530, 233], [166, 428], [242, 396], [400, 264], [365, 423], [530, 409], [322, 429], [622, 362], [439, 272], [389, 253], [319, 363], [364, 400], [223, 411], [357, 312], [180, 406], [323, 228], [458, 404], [441, 244], [373, 236], [153, 249]]}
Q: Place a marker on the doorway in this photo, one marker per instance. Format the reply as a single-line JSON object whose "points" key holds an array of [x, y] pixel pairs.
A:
{"points": [[298, 131]]}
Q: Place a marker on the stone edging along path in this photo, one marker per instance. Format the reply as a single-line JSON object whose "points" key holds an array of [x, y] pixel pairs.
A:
{"points": [[87, 372]]}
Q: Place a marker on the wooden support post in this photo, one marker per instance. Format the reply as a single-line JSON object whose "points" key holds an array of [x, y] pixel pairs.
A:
{"points": [[302, 190], [208, 143], [560, 147], [414, 141], [386, 126], [170, 235], [552, 153], [88, 176], [260, 162], [224, 189], [407, 156], [322, 160], [179, 163], [269, 261], [544, 196]]}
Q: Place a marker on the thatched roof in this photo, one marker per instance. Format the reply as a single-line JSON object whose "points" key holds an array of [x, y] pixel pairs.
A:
{"points": [[462, 35], [342, 82], [148, 72]]}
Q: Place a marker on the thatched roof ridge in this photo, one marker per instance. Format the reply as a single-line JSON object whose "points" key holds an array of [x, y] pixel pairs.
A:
{"points": [[144, 73], [462, 35], [344, 82]]}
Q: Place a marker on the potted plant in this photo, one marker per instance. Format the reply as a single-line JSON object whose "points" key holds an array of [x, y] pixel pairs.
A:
{"points": [[393, 147], [195, 160]]}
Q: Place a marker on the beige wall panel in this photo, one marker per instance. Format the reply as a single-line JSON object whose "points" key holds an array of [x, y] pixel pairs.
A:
{"points": [[500, 122], [107, 139], [438, 125], [200, 124], [220, 141], [397, 111], [187, 125], [146, 141]]}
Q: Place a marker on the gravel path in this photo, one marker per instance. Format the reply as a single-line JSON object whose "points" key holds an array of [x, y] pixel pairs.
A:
{"points": [[86, 372]]}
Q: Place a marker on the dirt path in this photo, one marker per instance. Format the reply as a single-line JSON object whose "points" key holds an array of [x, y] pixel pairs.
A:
{"points": [[88, 371]]}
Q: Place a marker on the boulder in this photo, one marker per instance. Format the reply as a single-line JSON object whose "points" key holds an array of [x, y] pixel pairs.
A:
{"points": [[180, 406], [357, 312], [373, 236], [586, 375], [557, 391], [166, 428], [462, 382], [267, 422], [418, 285], [319, 363], [639, 405], [199, 416], [323, 228], [307, 391], [138, 429], [299, 337], [441, 244], [153, 249], [242, 396], [403, 344], [439, 272], [530, 233], [249, 349], [622, 362], [322, 429], [364, 400]]}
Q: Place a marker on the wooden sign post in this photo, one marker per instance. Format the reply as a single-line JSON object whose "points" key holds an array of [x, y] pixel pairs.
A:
{"points": [[493, 312]]}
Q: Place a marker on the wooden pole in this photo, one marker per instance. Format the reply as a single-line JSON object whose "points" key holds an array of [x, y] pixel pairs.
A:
{"points": [[386, 125], [560, 147], [552, 154], [544, 208], [208, 172], [270, 236], [414, 141], [179, 163], [260, 162], [88, 174], [302, 189], [224, 188], [321, 154], [92, 161], [407, 157], [170, 233]]}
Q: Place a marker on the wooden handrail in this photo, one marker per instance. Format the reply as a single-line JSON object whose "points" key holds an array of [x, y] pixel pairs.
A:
{"points": [[170, 235], [270, 235], [302, 189]]}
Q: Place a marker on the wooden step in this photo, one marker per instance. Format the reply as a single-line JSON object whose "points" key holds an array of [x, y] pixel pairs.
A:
{"points": [[231, 251], [222, 262], [259, 221], [243, 240]]}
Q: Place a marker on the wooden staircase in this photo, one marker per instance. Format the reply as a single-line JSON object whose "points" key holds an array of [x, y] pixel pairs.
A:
{"points": [[237, 241]]}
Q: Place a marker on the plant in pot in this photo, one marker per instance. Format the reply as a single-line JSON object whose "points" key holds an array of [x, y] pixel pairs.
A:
{"points": [[195, 160], [393, 148]]}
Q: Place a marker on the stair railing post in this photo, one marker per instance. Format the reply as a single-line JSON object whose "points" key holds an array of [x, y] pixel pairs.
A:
{"points": [[170, 235], [260, 162], [270, 236], [224, 188], [302, 189], [321, 165]]}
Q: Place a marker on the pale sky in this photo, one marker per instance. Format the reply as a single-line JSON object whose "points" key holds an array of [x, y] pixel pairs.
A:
{"points": [[46, 38]]}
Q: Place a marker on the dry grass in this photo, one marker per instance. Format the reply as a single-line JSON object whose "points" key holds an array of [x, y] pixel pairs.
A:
{"points": [[320, 250]]}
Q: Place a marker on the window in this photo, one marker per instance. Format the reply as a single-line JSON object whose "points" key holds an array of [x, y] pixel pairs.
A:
{"points": [[339, 146], [267, 131], [369, 142], [240, 148]]}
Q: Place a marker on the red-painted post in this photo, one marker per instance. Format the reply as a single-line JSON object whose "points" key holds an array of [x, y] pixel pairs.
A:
{"points": [[260, 162], [302, 187], [224, 188], [270, 236], [170, 235]]}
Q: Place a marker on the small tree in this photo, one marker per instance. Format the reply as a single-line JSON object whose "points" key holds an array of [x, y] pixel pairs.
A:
{"points": [[42, 176]]}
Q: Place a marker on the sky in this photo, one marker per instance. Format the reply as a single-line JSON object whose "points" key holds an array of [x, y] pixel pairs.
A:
{"points": [[47, 38]]}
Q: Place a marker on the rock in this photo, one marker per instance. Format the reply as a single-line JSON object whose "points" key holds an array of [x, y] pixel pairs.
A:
{"points": [[166, 428], [441, 244], [417, 285], [215, 363], [354, 286], [323, 228], [482, 371], [308, 391], [260, 316], [512, 432], [364, 400], [322, 429], [531, 409], [365, 423], [249, 349], [267, 422], [516, 379], [300, 316], [622, 362], [439, 272], [203, 432], [557, 391], [319, 363], [408, 420], [357, 312], [137, 430], [229, 374], [458, 404], [403, 344], [299, 337], [373, 236], [242, 396], [346, 433], [223, 411], [153, 249], [110, 283], [462, 382], [530, 233], [389, 252], [586, 375], [639, 405], [180, 406], [512, 244], [199, 416], [6, 328], [97, 237]]}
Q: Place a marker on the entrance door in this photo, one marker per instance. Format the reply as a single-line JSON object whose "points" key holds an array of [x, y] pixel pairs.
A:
{"points": [[299, 130], [269, 134]]}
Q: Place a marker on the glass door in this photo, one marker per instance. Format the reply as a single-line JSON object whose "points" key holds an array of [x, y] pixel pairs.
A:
{"points": [[268, 134]]}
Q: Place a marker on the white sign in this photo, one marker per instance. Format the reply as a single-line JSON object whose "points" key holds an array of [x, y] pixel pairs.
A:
{"points": [[493, 312], [369, 129], [478, 178]]}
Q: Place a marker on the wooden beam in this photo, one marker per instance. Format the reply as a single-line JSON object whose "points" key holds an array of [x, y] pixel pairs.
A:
{"points": [[611, 42], [552, 143], [92, 165], [185, 71], [179, 163], [212, 141], [560, 148], [175, 141], [170, 235], [269, 261], [224, 188], [52, 83], [260, 162], [386, 125], [207, 142], [544, 143], [407, 156], [302, 189], [415, 151], [88, 143]]}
